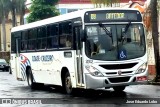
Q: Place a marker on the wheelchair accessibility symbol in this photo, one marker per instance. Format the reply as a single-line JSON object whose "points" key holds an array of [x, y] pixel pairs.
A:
{"points": [[122, 54]]}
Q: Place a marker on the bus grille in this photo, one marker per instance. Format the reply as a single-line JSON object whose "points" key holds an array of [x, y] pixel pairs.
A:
{"points": [[123, 72], [119, 79], [118, 66]]}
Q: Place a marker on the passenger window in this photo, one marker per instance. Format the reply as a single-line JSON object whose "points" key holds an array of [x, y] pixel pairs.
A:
{"points": [[24, 39], [42, 32], [52, 36], [23, 45], [42, 39], [13, 43], [32, 34], [65, 32]]}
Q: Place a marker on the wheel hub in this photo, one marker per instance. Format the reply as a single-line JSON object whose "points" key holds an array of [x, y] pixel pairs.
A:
{"points": [[68, 82]]}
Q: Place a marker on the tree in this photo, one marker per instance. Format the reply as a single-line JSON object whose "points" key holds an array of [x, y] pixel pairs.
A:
{"points": [[158, 6], [101, 3], [42, 9], [13, 6], [4, 11], [17, 7], [154, 26]]}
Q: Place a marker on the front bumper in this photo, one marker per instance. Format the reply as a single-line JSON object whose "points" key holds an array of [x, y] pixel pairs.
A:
{"points": [[93, 82]]}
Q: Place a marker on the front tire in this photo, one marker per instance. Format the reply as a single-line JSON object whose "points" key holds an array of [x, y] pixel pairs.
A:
{"points": [[119, 88], [30, 79], [68, 84]]}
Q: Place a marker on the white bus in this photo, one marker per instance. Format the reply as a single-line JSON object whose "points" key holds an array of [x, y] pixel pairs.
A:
{"points": [[89, 49]]}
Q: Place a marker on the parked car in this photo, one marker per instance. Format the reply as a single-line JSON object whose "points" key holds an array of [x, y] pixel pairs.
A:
{"points": [[4, 66]]}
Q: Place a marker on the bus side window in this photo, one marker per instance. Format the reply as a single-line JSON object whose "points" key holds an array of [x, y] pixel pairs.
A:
{"points": [[32, 34], [68, 41], [13, 43], [52, 36], [65, 31], [24, 38], [42, 42]]}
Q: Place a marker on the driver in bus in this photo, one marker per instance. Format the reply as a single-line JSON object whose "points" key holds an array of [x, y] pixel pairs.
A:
{"points": [[95, 46], [68, 41]]}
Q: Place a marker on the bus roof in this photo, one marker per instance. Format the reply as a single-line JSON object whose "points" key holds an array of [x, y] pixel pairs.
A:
{"points": [[75, 14]]}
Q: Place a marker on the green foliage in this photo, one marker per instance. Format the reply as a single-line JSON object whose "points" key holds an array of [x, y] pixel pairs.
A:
{"points": [[4, 8], [20, 6], [1, 11], [158, 6], [42, 9], [17, 7]]}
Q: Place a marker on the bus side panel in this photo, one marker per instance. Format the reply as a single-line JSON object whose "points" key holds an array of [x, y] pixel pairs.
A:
{"points": [[68, 60], [42, 63], [61, 59], [31, 60]]}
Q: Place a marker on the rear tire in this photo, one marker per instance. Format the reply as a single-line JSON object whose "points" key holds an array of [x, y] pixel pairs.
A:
{"points": [[67, 84], [119, 88]]}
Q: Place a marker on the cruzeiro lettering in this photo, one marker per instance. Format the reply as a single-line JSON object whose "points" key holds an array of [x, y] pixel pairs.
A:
{"points": [[43, 58], [47, 58]]}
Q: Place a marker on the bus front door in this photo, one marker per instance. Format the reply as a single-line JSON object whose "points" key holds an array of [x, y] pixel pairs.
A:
{"points": [[79, 73], [17, 60]]}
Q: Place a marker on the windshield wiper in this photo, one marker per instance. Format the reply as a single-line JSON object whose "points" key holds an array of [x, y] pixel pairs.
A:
{"points": [[106, 31], [123, 35], [127, 26], [104, 28]]}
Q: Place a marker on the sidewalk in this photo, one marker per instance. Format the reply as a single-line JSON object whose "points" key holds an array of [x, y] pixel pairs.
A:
{"points": [[151, 80]]}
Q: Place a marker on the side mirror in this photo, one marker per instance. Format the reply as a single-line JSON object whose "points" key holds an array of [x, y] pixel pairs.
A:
{"points": [[82, 35]]}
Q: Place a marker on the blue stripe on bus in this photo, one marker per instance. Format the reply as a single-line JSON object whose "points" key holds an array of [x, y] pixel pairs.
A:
{"points": [[23, 68], [28, 63], [22, 73]]}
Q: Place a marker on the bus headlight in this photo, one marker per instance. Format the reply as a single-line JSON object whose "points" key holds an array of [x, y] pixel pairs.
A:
{"points": [[142, 68], [93, 71]]}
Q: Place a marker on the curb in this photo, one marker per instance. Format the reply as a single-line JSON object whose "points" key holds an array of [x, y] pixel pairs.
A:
{"points": [[153, 83]]}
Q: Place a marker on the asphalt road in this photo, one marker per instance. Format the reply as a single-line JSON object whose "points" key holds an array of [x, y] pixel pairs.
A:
{"points": [[15, 90]]}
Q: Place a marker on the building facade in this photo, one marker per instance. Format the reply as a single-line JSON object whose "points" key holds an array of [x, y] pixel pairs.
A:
{"points": [[66, 6], [8, 26]]}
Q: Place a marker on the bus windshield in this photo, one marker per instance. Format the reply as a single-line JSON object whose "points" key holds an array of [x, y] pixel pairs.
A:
{"points": [[115, 42]]}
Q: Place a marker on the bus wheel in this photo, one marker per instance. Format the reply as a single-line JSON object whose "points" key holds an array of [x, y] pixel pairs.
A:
{"points": [[31, 84], [67, 83], [119, 88]]}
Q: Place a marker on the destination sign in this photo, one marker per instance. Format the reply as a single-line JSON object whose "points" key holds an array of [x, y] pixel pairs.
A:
{"points": [[110, 15], [115, 15]]}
